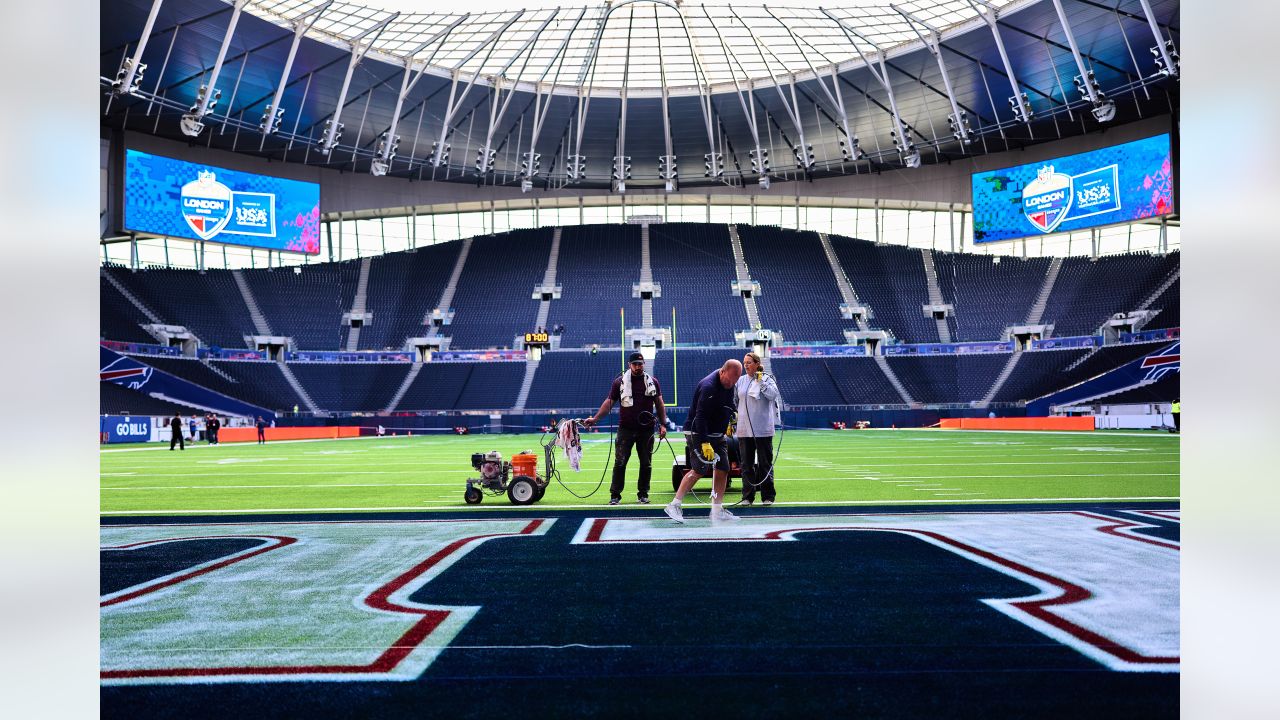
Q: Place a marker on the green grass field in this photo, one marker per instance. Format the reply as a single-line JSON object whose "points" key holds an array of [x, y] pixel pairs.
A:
{"points": [[815, 467]]}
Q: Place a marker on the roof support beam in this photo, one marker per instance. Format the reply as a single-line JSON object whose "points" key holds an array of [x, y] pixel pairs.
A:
{"points": [[933, 42], [439, 149], [1169, 64], [713, 159], [484, 162], [802, 150], [849, 143], [389, 143], [273, 113], [208, 95], [129, 77], [1018, 101], [1103, 109], [902, 141], [759, 156], [333, 126]]}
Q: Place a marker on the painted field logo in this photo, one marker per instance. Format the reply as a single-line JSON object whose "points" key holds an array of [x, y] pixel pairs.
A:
{"points": [[1047, 199], [206, 205]]}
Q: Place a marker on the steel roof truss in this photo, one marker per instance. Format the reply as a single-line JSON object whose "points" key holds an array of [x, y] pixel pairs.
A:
{"points": [[333, 126], [129, 77], [208, 95], [273, 113], [1103, 108], [1018, 101], [958, 121], [440, 150]]}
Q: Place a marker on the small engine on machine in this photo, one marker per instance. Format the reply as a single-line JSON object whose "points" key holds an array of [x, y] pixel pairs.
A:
{"points": [[525, 487]]}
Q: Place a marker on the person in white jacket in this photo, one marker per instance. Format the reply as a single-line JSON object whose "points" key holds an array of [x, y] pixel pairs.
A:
{"points": [[759, 409]]}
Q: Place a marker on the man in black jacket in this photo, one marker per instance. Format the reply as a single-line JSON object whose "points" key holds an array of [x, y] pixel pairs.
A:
{"points": [[175, 432], [712, 408]]}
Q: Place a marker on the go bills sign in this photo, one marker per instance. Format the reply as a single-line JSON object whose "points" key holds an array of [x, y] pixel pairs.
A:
{"points": [[124, 428]]}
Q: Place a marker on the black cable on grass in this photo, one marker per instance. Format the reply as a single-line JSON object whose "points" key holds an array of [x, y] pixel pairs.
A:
{"points": [[549, 455]]}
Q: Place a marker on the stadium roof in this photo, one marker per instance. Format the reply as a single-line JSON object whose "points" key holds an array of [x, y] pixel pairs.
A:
{"points": [[639, 79]]}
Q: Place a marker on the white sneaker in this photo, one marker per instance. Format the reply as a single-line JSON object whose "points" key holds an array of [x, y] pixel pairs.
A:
{"points": [[675, 512], [719, 515]]}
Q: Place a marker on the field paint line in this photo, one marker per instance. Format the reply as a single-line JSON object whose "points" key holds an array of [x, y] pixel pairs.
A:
{"points": [[119, 474], [900, 481], [650, 508], [959, 493], [268, 648]]}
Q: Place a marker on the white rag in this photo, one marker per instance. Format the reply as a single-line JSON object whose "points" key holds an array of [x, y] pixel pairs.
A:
{"points": [[567, 438], [650, 389]]}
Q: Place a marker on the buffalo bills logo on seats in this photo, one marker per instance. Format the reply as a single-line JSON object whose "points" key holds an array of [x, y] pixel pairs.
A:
{"points": [[206, 205], [1158, 364], [133, 377]]}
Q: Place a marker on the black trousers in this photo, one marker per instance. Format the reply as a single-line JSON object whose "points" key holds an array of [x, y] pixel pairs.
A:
{"points": [[262, 435], [175, 438], [757, 462], [642, 441], [1177, 422]]}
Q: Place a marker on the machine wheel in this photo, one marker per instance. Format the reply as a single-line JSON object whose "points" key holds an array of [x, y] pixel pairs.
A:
{"points": [[677, 474], [472, 496], [522, 491]]}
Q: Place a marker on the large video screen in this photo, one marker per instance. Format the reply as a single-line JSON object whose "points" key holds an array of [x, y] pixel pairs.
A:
{"points": [[1112, 185], [164, 196]]}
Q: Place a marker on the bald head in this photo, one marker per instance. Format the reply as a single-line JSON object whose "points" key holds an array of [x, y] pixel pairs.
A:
{"points": [[730, 372]]}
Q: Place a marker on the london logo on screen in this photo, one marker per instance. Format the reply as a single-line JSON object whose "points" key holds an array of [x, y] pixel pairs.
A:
{"points": [[1047, 199], [206, 205]]}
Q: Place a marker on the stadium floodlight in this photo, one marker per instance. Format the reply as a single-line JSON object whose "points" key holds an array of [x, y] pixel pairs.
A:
{"points": [[576, 167], [205, 103], [621, 172], [531, 165], [484, 160], [1104, 109], [804, 155], [850, 149], [122, 77], [760, 166], [329, 141], [439, 154], [960, 129], [1161, 69], [714, 164], [667, 167], [906, 149], [270, 123], [1021, 107], [387, 149]]}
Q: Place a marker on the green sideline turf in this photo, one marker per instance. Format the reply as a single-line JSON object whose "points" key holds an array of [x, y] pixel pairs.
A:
{"points": [[814, 467]]}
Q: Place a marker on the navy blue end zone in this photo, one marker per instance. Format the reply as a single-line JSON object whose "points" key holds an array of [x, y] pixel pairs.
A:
{"points": [[844, 623]]}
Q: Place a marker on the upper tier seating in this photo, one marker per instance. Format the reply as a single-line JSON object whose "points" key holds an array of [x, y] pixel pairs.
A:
{"points": [[947, 378], [119, 318], [798, 292], [208, 304], [306, 303], [403, 288], [494, 300], [890, 280], [988, 296], [693, 262], [598, 265], [1089, 291]]}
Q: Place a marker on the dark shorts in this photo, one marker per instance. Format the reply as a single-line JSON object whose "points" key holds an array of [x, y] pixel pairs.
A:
{"points": [[718, 446]]}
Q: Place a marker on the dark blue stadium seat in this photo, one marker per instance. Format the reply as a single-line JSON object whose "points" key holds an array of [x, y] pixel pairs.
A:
{"points": [[890, 280], [798, 291], [306, 303], [597, 267], [494, 299], [403, 288], [694, 264]]}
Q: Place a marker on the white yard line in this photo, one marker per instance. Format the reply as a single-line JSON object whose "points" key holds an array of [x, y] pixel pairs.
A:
{"points": [[650, 508]]}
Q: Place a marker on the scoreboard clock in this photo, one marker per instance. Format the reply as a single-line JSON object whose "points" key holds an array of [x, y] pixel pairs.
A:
{"points": [[537, 338]]}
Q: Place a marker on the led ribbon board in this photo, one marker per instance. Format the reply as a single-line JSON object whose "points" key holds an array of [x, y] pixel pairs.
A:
{"points": [[1113, 185], [164, 196]]}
